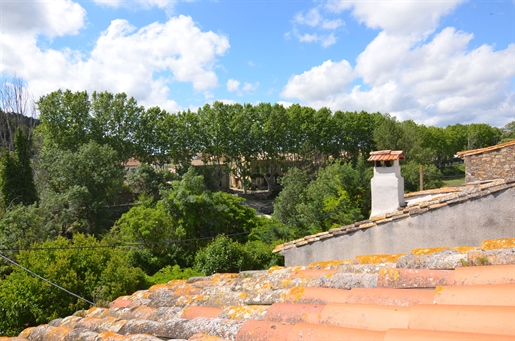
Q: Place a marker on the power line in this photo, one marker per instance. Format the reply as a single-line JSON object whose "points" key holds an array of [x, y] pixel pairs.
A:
{"points": [[167, 241], [46, 280]]}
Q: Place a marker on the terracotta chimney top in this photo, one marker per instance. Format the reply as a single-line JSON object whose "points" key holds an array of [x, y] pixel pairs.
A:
{"points": [[387, 184]]}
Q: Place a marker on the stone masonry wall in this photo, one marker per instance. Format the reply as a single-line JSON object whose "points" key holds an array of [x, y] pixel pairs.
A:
{"points": [[495, 164]]}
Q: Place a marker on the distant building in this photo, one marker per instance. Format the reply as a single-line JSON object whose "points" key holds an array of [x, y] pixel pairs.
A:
{"points": [[494, 162]]}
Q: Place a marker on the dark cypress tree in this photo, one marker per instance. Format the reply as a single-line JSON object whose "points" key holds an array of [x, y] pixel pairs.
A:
{"points": [[17, 180]]}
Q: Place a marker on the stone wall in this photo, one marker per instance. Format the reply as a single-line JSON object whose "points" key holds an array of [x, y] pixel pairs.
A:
{"points": [[494, 164]]}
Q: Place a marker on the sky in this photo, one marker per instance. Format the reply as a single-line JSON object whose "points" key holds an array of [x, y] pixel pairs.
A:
{"points": [[431, 61]]}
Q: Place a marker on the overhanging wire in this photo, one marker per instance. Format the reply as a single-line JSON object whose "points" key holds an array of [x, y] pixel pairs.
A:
{"points": [[177, 241], [46, 280]]}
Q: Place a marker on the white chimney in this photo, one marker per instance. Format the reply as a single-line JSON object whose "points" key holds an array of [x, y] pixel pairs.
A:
{"points": [[387, 183]]}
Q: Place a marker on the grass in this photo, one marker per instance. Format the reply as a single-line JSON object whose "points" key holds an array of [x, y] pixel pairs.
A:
{"points": [[454, 175]]}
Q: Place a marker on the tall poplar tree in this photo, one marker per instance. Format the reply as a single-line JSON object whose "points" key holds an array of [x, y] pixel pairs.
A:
{"points": [[17, 181]]}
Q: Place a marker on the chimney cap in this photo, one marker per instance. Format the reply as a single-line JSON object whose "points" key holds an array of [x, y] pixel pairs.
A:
{"points": [[386, 155]]}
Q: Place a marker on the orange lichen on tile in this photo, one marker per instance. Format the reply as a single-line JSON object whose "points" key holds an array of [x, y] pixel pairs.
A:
{"points": [[376, 259], [205, 337], [274, 269], [243, 312], [58, 333], [312, 273], [332, 264], [110, 336], [390, 274], [175, 282], [26, 332], [432, 250], [493, 244], [157, 287], [296, 293], [188, 290]]}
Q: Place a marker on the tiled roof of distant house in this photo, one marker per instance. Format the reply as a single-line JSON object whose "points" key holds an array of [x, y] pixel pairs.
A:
{"points": [[430, 294], [486, 149]]}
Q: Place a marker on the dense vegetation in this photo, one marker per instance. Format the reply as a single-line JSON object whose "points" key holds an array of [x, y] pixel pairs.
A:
{"points": [[68, 211]]}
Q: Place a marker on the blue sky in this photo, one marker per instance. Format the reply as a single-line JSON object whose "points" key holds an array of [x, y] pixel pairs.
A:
{"points": [[436, 62]]}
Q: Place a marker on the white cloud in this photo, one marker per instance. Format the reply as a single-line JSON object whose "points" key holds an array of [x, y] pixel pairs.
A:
{"points": [[321, 28], [320, 82], [52, 19], [399, 17], [141, 62], [167, 5], [233, 85], [249, 87], [434, 80]]}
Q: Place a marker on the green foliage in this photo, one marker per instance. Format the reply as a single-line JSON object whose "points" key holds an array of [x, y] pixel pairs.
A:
{"points": [[169, 273], [75, 186], [294, 184], [21, 226], [153, 226], [411, 174], [146, 179], [16, 178], [222, 255], [98, 274], [482, 135], [333, 199], [508, 132], [258, 256], [328, 201]]}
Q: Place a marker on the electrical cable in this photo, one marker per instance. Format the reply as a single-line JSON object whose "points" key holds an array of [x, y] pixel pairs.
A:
{"points": [[46, 280], [116, 245]]}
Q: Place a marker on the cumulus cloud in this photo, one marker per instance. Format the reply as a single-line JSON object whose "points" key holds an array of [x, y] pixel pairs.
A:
{"points": [[321, 29], [406, 17], [234, 86], [413, 71], [320, 82], [167, 5], [124, 58], [58, 18]]}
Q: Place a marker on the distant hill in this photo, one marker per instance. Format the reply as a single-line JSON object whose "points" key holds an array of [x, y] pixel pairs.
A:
{"points": [[9, 122]]}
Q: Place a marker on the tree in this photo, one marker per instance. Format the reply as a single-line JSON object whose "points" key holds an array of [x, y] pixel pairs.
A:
{"points": [[355, 134], [329, 202], [17, 181], [293, 193], [482, 135], [201, 213], [215, 136], [243, 149], [151, 224], [115, 121], [65, 121], [77, 185], [388, 133], [146, 179], [411, 174], [17, 110], [85, 266], [222, 255], [508, 132], [271, 144]]}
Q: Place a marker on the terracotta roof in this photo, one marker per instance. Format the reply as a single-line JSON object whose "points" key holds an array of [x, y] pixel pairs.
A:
{"points": [[427, 295], [486, 149], [417, 203], [386, 155]]}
